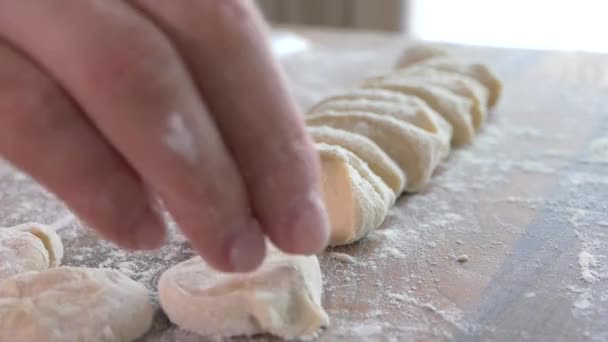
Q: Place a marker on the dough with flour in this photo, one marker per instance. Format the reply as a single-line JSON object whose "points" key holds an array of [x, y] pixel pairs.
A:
{"points": [[458, 84], [375, 158], [48, 236], [408, 109], [282, 297], [71, 304], [21, 252], [416, 151], [457, 110]]}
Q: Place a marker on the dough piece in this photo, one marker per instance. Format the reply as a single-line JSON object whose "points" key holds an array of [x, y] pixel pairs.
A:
{"points": [[455, 109], [417, 152], [73, 304], [476, 70], [418, 53], [458, 84], [21, 252], [353, 205], [50, 239], [282, 297], [376, 159], [406, 108]]}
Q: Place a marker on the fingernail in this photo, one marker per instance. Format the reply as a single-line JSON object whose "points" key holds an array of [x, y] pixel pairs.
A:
{"points": [[247, 249], [310, 227], [149, 234]]}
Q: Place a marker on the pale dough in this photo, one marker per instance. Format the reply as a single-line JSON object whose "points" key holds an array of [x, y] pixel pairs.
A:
{"points": [[377, 160], [408, 109], [416, 151], [71, 304], [282, 297], [461, 85], [21, 252], [48, 236], [457, 110], [425, 55]]}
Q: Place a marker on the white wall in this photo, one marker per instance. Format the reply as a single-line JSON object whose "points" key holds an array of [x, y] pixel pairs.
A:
{"points": [[542, 24]]}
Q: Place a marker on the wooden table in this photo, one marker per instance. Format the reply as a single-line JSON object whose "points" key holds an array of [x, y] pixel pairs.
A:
{"points": [[527, 203]]}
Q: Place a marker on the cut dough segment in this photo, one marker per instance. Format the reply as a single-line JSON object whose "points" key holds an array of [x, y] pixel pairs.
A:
{"points": [[353, 205], [461, 85], [21, 252], [455, 109], [406, 108], [376, 159], [418, 53], [476, 70], [50, 239], [417, 152], [73, 304], [282, 297]]}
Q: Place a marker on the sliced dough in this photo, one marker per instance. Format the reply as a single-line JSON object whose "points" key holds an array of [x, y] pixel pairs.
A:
{"points": [[406, 108], [50, 239], [73, 304], [455, 109], [418, 53], [476, 70], [417, 152], [353, 204], [378, 161], [461, 85], [21, 252], [282, 297]]}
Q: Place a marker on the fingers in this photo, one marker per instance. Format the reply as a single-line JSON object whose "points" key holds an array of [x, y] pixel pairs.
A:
{"points": [[132, 84], [43, 133], [224, 44]]}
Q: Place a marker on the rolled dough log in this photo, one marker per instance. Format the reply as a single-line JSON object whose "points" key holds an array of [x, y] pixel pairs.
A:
{"points": [[457, 110], [417, 152], [48, 236], [73, 304], [375, 158], [408, 109], [458, 84], [21, 252], [282, 297]]}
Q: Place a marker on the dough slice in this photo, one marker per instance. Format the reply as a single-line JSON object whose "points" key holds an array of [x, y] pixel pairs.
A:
{"points": [[458, 84], [282, 297], [378, 161], [473, 69], [406, 108], [73, 304], [21, 252], [418, 53], [455, 109], [48, 236], [416, 151], [354, 205]]}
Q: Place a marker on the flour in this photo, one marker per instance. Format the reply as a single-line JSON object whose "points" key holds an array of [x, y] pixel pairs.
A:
{"points": [[587, 262], [180, 139], [598, 150]]}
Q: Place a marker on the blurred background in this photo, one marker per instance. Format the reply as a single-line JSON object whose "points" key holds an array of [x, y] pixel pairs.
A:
{"points": [[536, 24]]}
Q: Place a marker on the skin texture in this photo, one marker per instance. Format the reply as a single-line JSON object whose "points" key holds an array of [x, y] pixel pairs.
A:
{"points": [[112, 103]]}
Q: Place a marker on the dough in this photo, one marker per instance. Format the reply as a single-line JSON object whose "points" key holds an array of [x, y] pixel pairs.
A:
{"points": [[375, 158], [282, 297], [21, 252], [71, 304], [458, 84], [443, 61], [455, 109], [408, 109], [50, 239], [418, 53], [417, 152]]}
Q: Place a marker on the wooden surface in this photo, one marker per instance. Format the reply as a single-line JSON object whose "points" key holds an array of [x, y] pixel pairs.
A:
{"points": [[527, 203]]}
